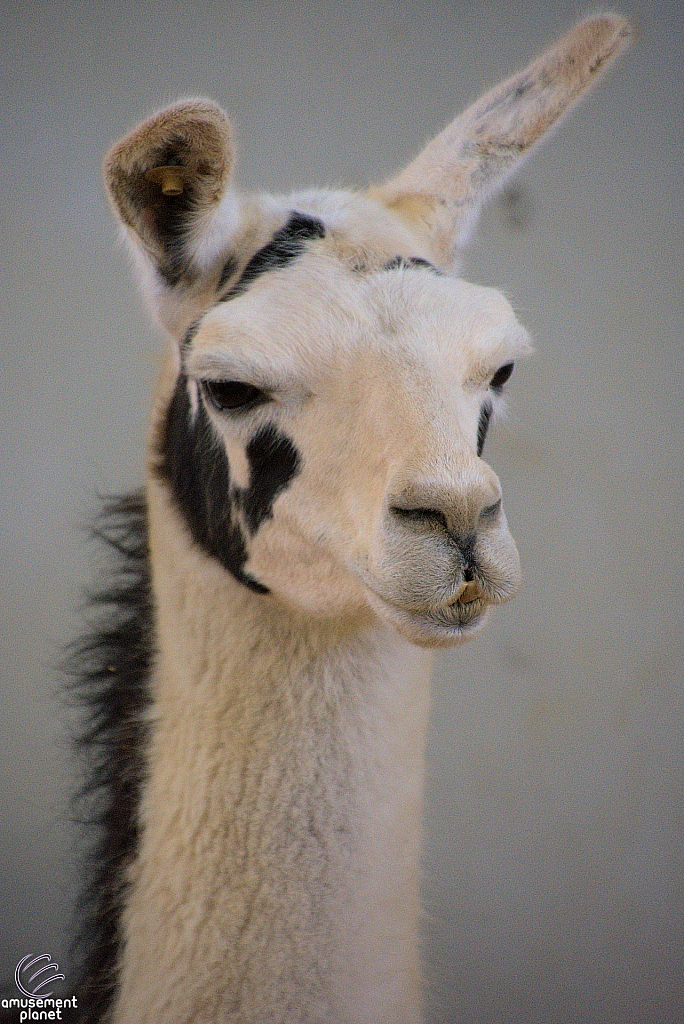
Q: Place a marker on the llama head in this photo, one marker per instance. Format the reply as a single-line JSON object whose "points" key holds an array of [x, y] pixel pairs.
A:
{"points": [[333, 381]]}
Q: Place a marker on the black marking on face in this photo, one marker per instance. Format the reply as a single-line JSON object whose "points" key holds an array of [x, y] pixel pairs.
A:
{"points": [[193, 461], [286, 245], [273, 462], [401, 262], [195, 466], [483, 426]]}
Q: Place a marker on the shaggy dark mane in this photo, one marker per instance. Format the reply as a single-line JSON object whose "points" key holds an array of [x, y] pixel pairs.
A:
{"points": [[109, 670]]}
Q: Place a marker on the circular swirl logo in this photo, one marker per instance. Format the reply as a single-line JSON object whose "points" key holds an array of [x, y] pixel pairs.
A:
{"points": [[31, 982]]}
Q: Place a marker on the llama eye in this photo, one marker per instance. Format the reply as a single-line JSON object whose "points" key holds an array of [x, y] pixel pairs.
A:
{"points": [[500, 377], [233, 395]]}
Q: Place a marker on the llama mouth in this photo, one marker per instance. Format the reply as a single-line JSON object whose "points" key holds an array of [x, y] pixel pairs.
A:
{"points": [[439, 626], [459, 613], [461, 616], [464, 610], [450, 623]]}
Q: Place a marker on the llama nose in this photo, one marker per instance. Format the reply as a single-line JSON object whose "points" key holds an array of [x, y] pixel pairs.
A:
{"points": [[459, 511]]}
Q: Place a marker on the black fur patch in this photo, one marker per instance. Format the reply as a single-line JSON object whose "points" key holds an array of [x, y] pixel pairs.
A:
{"points": [[286, 245], [273, 462], [194, 464], [196, 468], [400, 262], [170, 214], [109, 669], [483, 426]]}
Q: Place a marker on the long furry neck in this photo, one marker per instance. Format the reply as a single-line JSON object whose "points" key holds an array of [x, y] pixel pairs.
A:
{"points": [[276, 872]]}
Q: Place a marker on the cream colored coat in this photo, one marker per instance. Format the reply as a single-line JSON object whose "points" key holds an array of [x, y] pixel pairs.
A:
{"points": [[278, 870]]}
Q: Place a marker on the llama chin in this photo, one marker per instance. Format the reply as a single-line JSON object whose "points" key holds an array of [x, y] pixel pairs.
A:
{"points": [[317, 512]]}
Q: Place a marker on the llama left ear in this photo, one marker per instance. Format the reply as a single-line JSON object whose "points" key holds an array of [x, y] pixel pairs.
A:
{"points": [[166, 180], [443, 189]]}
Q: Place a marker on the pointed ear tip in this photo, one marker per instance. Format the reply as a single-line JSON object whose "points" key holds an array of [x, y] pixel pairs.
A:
{"points": [[199, 122], [609, 27], [197, 109], [196, 116]]}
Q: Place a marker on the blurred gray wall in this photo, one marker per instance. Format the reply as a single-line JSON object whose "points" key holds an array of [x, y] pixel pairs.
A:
{"points": [[553, 867]]}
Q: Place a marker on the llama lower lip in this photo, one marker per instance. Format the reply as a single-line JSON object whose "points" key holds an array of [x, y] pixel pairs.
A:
{"points": [[439, 626], [460, 614]]}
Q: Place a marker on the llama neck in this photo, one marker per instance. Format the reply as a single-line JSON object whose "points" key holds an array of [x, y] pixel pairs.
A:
{"points": [[278, 870]]}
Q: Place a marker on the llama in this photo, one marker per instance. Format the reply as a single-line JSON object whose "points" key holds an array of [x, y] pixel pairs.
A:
{"points": [[317, 519]]}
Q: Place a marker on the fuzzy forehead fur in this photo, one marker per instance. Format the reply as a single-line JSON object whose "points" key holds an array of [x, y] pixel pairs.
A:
{"points": [[343, 295]]}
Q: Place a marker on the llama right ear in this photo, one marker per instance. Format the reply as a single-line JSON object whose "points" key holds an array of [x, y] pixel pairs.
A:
{"points": [[443, 189], [166, 180]]}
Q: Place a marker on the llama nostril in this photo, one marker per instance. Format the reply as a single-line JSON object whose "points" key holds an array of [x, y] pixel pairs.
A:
{"points": [[422, 516], [492, 511]]}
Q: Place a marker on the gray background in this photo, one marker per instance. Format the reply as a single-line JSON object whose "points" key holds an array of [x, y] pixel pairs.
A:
{"points": [[553, 866]]}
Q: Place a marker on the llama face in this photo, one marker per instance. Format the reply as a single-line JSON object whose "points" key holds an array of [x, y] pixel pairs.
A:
{"points": [[332, 383], [324, 433]]}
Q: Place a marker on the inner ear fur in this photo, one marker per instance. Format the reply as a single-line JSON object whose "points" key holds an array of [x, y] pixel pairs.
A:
{"points": [[166, 209], [441, 191]]}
